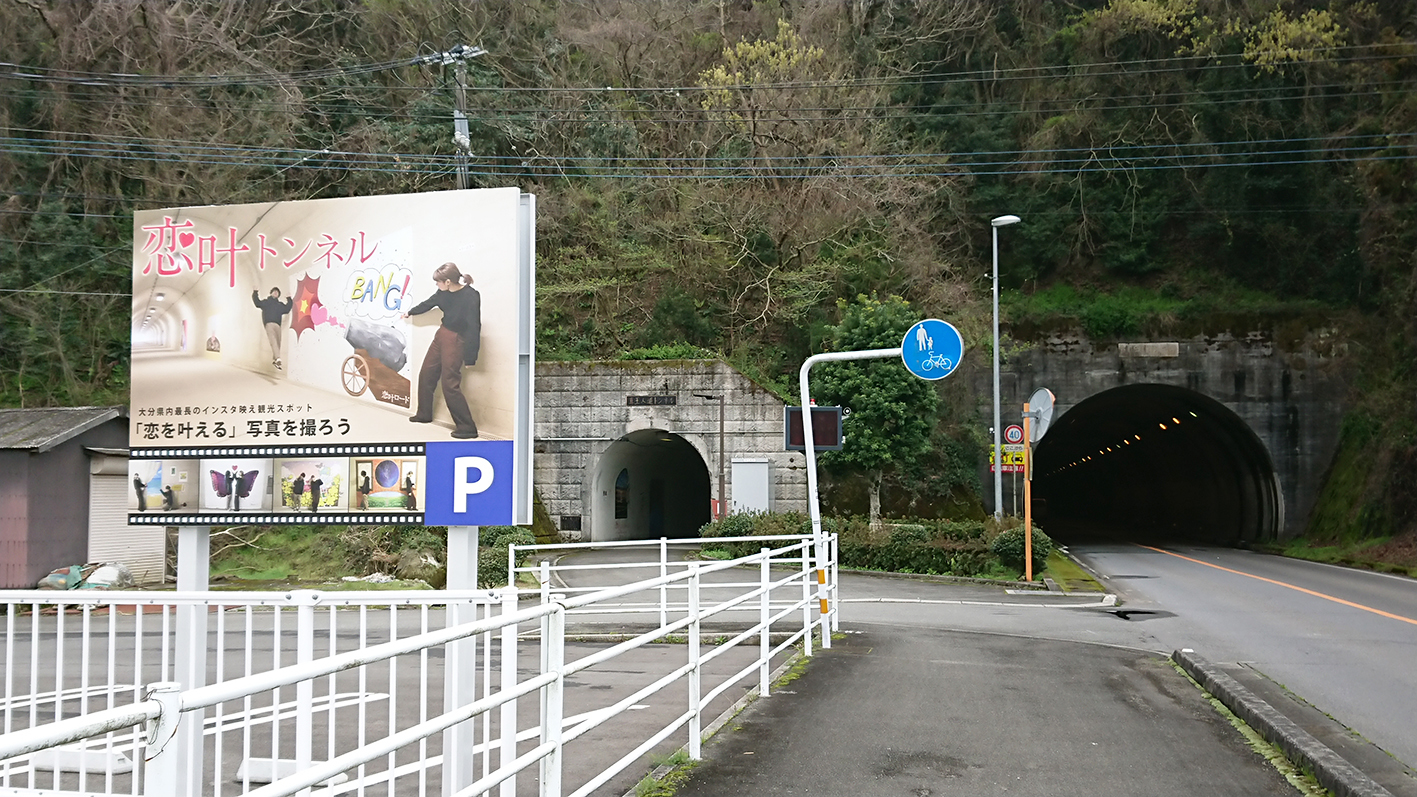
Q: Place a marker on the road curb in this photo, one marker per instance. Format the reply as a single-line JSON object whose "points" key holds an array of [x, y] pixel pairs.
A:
{"points": [[1332, 771]]}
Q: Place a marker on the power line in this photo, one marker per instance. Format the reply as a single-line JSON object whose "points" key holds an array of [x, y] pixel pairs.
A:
{"points": [[784, 113], [1165, 64], [118, 146], [115, 79], [63, 293]]}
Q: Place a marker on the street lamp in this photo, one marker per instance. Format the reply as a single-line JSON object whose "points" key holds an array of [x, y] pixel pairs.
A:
{"points": [[722, 495], [1001, 221]]}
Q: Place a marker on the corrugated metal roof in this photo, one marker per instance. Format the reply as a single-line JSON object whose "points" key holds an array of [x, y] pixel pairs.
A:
{"points": [[39, 430]]}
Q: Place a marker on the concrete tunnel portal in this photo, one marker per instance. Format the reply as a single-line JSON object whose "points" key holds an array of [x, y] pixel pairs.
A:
{"points": [[649, 484], [1152, 462]]}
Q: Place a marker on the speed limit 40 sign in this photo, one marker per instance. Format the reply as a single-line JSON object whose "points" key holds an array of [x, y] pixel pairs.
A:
{"points": [[1013, 435]]}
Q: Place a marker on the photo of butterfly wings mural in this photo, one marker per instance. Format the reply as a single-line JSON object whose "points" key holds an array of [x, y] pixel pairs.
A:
{"points": [[223, 483]]}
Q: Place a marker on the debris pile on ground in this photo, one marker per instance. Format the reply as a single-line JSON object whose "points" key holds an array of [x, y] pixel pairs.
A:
{"points": [[107, 575]]}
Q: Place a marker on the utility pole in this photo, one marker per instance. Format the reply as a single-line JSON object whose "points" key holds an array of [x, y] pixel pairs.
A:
{"points": [[460, 132], [458, 57]]}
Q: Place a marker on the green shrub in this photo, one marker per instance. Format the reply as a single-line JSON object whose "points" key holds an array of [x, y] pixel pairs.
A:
{"points": [[491, 567], [1009, 547], [937, 547], [750, 524], [502, 536]]}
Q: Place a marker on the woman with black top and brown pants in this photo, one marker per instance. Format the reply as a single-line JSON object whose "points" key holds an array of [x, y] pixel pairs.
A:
{"points": [[454, 345]]}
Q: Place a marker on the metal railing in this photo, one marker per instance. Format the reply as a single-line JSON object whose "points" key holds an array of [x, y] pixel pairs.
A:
{"points": [[76, 653], [462, 734], [558, 564]]}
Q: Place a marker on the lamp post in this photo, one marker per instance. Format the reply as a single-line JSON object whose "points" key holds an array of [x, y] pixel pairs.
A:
{"points": [[722, 494], [1001, 221]]}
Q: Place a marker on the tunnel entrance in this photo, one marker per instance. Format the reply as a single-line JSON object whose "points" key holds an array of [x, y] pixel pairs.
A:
{"points": [[649, 484], [1155, 462]]}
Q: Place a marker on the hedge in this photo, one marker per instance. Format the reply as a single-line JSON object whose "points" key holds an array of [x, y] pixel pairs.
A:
{"points": [[939, 547]]}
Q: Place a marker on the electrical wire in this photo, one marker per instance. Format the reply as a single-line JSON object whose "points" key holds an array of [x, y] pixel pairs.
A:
{"points": [[1167, 64], [119, 146], [64, 293], [777, 114]]}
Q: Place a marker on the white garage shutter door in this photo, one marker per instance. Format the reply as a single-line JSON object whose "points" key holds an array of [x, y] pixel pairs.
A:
{"points": [[111, 539]]}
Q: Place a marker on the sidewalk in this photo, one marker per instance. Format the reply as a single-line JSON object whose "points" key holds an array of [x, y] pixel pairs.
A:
{"points": [[891, 711]]}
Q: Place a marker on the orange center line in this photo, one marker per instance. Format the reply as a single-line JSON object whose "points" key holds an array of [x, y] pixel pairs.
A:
{"points": [[1388, 615]]}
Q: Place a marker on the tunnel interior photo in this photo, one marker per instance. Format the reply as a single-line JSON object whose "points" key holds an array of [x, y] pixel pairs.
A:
{"points": [[1155, 463]]}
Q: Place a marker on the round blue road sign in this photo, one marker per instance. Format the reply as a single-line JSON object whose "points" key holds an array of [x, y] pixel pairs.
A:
{"points": [[932, 349]]}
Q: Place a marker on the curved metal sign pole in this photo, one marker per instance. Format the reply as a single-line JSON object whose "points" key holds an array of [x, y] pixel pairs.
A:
{"points": [[809, 444]]}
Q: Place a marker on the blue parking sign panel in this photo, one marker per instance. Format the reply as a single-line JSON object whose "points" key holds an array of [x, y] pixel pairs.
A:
{"points": [[469, 483], [932, 349]]}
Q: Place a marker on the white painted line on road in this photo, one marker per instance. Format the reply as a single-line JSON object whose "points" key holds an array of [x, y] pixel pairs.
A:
{"points": [[1107, 600]]}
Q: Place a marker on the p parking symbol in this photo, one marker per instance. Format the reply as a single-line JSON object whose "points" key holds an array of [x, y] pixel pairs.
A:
{"points": [[464, 485], [469, 483]]}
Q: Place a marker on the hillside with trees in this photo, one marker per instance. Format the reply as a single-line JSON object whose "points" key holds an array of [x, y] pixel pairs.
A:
{"points": [[731, 176]]}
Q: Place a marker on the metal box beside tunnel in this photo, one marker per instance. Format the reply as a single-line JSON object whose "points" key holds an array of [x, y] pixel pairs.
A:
{"points": [[752, 485]]}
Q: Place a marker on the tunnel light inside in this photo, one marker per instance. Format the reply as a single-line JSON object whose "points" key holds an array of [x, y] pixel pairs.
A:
{"points": [[1175, 420], [1162, 425]]}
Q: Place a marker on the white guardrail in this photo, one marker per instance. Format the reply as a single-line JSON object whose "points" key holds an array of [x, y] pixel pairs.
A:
{"points": [[561, 567], [399, 692]]}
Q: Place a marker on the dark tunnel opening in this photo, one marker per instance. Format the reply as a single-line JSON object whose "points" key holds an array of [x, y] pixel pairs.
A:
{"points": [[650, 484], [1156, 462]]}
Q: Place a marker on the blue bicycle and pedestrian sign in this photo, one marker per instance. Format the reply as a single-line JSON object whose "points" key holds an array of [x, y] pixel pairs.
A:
{"points": [[932, 349]]}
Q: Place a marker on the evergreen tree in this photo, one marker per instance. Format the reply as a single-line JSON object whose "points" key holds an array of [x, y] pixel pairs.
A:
{"points": [[892, 411]]}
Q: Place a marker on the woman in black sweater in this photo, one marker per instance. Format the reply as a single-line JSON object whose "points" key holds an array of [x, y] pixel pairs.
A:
{"points": [[454, 345]]}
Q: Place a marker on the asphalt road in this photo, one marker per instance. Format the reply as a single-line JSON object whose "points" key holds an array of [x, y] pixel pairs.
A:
{"points": [[1344, 640]]}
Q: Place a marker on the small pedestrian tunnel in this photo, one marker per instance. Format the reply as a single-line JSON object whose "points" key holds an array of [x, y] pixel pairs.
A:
{"points": [[649, 484]]}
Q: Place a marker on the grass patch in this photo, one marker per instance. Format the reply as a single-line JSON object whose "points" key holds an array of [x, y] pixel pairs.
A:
{"points": [[1370, 554], [1130, 310], [1066, 573], [276, 553], [1300, 779], [674, 772], [796, 670]]}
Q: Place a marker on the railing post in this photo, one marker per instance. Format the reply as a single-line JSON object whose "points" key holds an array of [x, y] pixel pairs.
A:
{"points": [[823, 552], [304, 690], [460, 672], [553, 642], [162, 762], [695, 674], [544, 694], [663, 588], [836, 582], [764, 612], [511, 564], [806, 601], [508, 719]]}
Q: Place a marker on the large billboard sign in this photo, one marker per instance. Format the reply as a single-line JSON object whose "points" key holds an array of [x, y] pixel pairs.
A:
{"points": [[293, 361]]}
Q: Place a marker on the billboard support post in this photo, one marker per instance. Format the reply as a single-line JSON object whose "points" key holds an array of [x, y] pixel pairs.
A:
{"points": [[460, 674], [809, 440], [190, 650]]}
